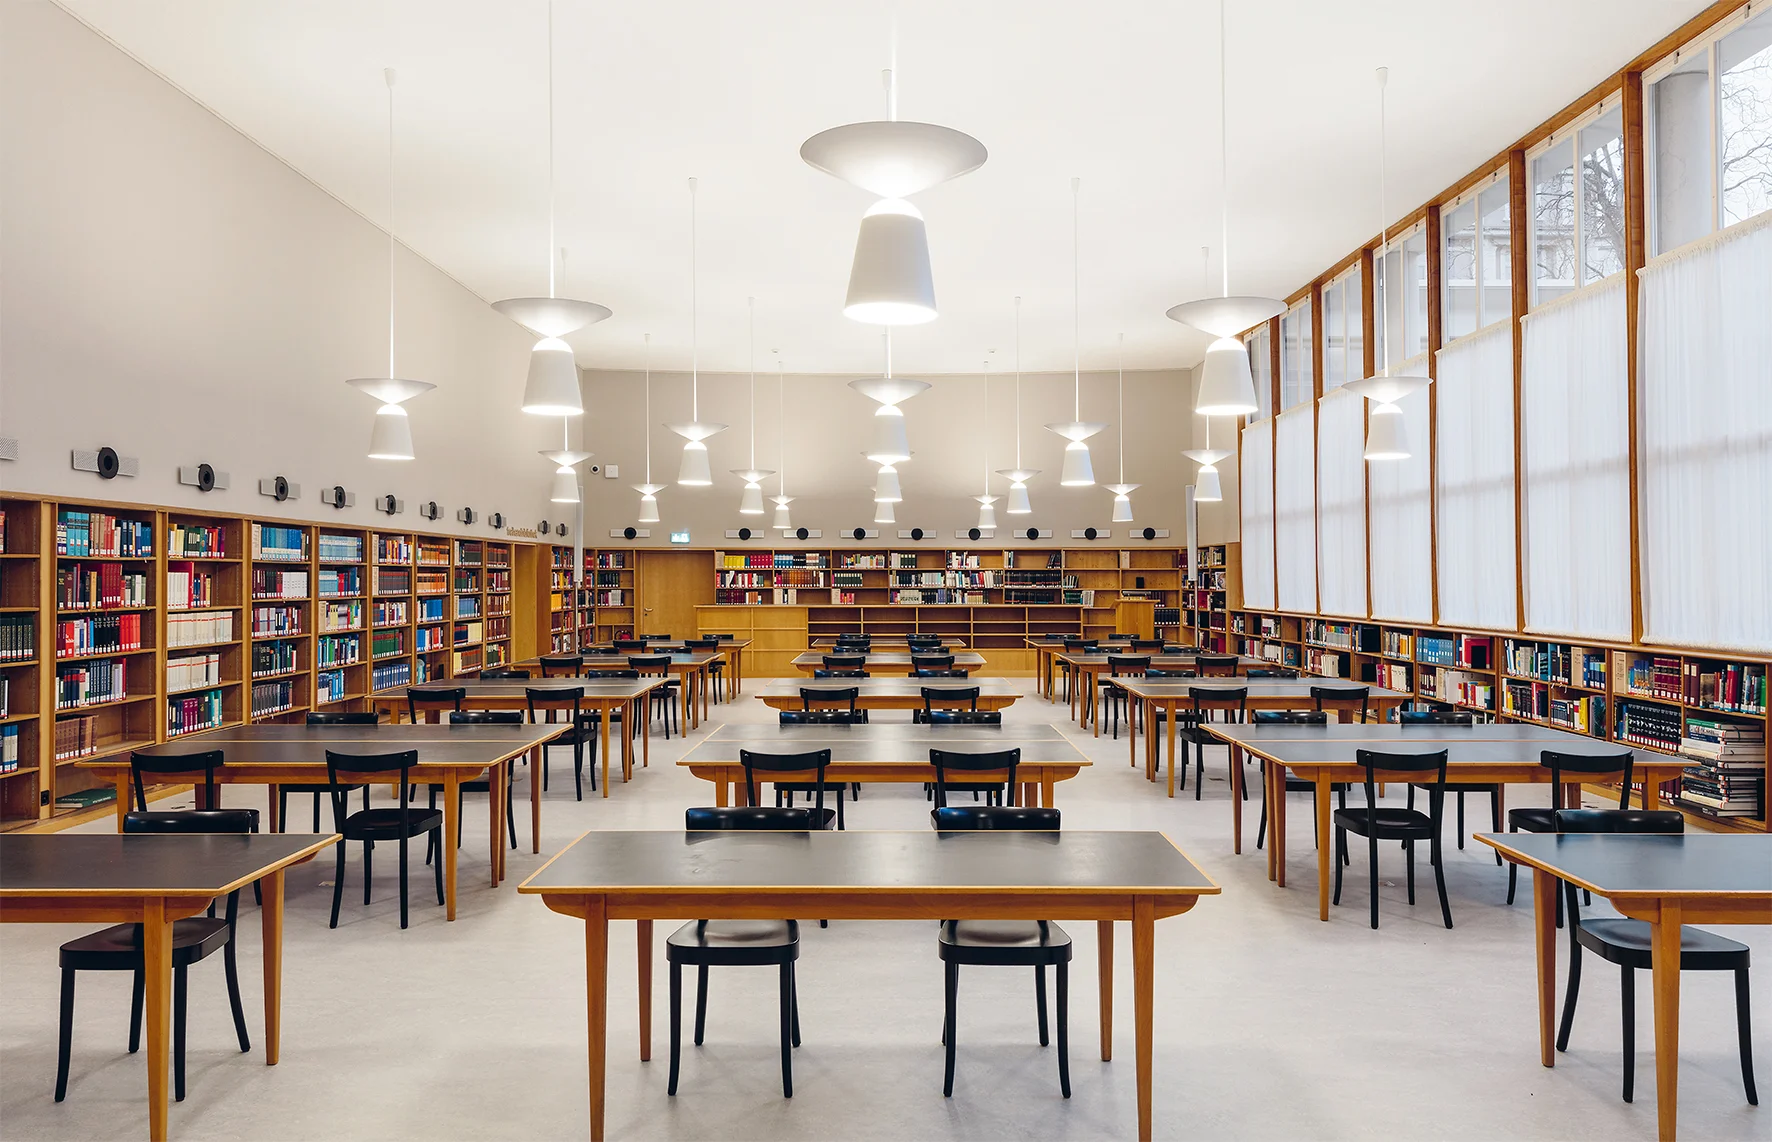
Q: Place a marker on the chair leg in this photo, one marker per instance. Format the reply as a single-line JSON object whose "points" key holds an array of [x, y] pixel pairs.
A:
{"points": [[65, 1038], [1340, 862], [701, 1001], [179, 985], [544, 769], [1199, 769], [338, 884], [1040, 1000], [437, 871], [794, 1004], [1064, 1028], [951, 1031], [1409, 856], [283, 812], [136, 998], [1628, 1003], [1495, 818], [403, 890], [1570, 994], [368, 859], [787, 1029], [1261, 827], [231, 970], [1513, 873], [1461, 822], [316, 812], [1372, 875], [1742, 1027], [510, 815], [676, 1023], [1439, 860], [591, 750], [578, 765]]}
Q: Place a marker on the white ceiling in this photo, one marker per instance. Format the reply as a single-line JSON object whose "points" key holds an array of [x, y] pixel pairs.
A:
{"points": [[1121, 93]]}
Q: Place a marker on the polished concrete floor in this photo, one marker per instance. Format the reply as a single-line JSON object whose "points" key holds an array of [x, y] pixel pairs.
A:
{"points": [[1269, 1024]]}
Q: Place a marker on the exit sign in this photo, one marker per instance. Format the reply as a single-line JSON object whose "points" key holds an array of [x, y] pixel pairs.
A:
{"points": [[679, 537]]}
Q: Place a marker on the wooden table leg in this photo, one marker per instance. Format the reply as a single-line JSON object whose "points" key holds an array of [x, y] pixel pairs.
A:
{"points": [[1273, 829], [705, 685], [157, 993], [1236, 800], [495, 801], [271, 924], [451, 836], [597, 1002], [535, 798], [272, 823], [1325, 845], [643, 956], [1664, 940], [720, 791], [1544, 924], [1132, 708], [1047, 789], [1094, 702], [1170, 721], [1104, 952], [125, 795], [627, 753], [1144, 965], [1276, 822], [608, 713]]}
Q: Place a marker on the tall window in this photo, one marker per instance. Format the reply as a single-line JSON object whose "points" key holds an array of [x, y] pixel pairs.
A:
{"points": [[1477, 262], [1710, 133], [1297, 380], [1344, 343], [1261, 366], [1399, 298], [1578, 205]]}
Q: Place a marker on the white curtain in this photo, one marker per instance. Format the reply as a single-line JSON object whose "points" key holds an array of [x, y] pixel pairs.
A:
{"points": [[1705, 441], [1341, 504], [1575, 461], [1256, 480], [1402, 540], [1474, 479], [1295, 509]]}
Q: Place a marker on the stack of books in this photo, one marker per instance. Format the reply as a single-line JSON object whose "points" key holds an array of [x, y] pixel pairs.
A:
{"points": [[1730, 779]]}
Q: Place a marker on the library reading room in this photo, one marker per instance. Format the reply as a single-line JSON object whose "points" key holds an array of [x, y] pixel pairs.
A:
{"points": [[1416, 483]]}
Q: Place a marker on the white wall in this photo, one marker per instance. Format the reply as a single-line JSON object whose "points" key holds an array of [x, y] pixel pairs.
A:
{"points": [[172, 290]]}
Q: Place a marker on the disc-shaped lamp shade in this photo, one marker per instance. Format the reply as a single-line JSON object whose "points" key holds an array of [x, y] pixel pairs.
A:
{"points": [[890, 282], [751, 502], [695, 472], [893, 159], [1386, 436], [782, 521], [1226, 316], [565, 486], [391, 438], [886, 487], [552, 387], [1226, 386], [1385, 389], [1206, 489], [390, 390], [892, 445], [1077, 472], [648, 501], [1122, 501], [551, 316], [883, 513], [987, 511]]}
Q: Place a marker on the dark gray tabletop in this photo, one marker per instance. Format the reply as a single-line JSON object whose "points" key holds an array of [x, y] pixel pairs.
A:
{"points": [[514, 688], [1463, 745], [891, 658], [890, 642], [671, 643], [1543, 737], [898, 687], [1298, 688], [859, 861], [1168, 660], [93, 864], [619, 660], [749, 732], [437, 744], [1684, 864], [901, 743]]}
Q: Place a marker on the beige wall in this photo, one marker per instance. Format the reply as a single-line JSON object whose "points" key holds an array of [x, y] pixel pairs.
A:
{"points": [[170, 289]]}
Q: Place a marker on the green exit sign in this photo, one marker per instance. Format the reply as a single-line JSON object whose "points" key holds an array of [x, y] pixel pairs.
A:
{"points": [[679, 537]]}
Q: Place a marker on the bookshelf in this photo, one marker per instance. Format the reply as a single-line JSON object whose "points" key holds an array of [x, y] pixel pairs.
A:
{"points": [[205, 622], [496, 604], [430, 608], [562, 599], [609, 595], [342, 612], [392, 580], [280, 627], [24, 724]]}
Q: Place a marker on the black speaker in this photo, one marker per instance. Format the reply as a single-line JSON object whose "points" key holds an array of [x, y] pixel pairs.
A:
{"points": [[282, 492], [543, 527], [339, 497], [629, 532], [386, 503], [496, 521], [973, 533], [107, 463], [1089, 533], [859, 533], [916, 533], [429, 509], [744, 533], [1033, 533], [802, 533], [205, 478], [1149, 533], [561, 531]]}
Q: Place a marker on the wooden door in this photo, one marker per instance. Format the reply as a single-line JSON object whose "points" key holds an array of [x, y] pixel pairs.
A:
{"points": [[670, 585]]}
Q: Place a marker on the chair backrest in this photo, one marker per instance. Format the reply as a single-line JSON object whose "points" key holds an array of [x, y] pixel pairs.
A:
{"points": [[600, 651], [657, 638], [650, 664], [343, 718], [630, 644], [493, 673], [949, 697], [191, 821], [821, 672], [763, 818], [822, 717], [963, 717], [428, 700], [360, 769], [182, 764], [1074, 644], [1270, 672], [486, 717], [1232, 700], [1435, 718], [709, 643], [561, 665], [724, 637], [845, 661], [1342, 700], [624, 673], [828, 697], [1151, 644], [923, 639], [779, 764], [1599, 767], [1375, 761], [1289, 717], [932, 661], [1620, 821], [968, 818], [854, 637], [921, 673], [1171, 674], [551, 700], [1217, 665], [948, 762], [1128, 664]]}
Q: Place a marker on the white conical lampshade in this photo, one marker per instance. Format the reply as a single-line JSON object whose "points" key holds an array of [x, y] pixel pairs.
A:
{"points": [[892, 445], [1077, 472], [1386, 436], [782, 521], [695, 471], [1018, 500], [883, 513], [889, 281], [1206, 489], [565, 486], [391, 438], [1122, 501], [987, 512], [552, 388], [648, 507], [1226, 386], [751, 503], [886, 487]]}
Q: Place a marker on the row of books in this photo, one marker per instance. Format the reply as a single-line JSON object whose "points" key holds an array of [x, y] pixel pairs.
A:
{"points": [[91, 683], [1736, 686], [390, 613], [1729, 779], [95, 533], [340, 548], [193, 712], [340, 582], [385, 643], [10, 738], [608, 559], [1328, 663], [329, 686], [199, 628], [864, 562], [924, 596], [433, 582], [616, 598], [275, 544], [1656, 676], [498, 628], [273, 697], [426, 639], [339, 650], [192, 672], [733, 596], [188, 587], [498, 604], [467, 606], [466, 581], [75, 737], [1390, 675], [792, 578], [390, 674], [1458, 686], [467, 634], [100, 634], [95, 586], [1641, 723], [1723, 741], [273, 658], [340, 616], [608, 579], [196, 541], [276, 583], [393, 549], [276, 621], [5, 695], [1551, 662], [430, 610], [431, 553]]}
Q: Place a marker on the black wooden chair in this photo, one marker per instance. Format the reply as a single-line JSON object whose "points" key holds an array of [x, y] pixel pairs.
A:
{"points": [[1004, 943], [1112, 694], [843, 660], [323, 718], [625, 645], [545, 705], [829, 698], [1074, 645], [482, 784], [667, 696], [1216, 665], [797, 764], [1148, 645], [923, 642], [821, 717], [1380, 823], [562, 665], [1228, 704], [821, 672], [923, 661], [422, 702], [371, 825], [1350, 701], [998, 791], [208, 792], [1627, 944], [1270, 672], [119, 948], [716, 668], [1591, 767], [737, 943], [495, 673], [1460, 788], [964, 717], [921, 673], [1294, 784], [946, 698]]}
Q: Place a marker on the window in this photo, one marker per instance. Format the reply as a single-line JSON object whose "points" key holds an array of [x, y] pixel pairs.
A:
{"points": [[1578, 222], [1710, 133], [1341, 505], [1344, 342], [1256, 480], [1295, 510], [1399, 298], [1476, 266], [1297, 380], [1261, 367]]}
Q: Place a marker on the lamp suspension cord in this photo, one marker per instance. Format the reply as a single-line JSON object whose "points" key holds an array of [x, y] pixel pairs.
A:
{"points": [[1018, 384], [551, 148], [1076, 308], [648, 360], [1383, 220], [781, 427], [1224, 162], [985, 423], [388, 75], [1122, 398], [751, 302], [694, 319]]}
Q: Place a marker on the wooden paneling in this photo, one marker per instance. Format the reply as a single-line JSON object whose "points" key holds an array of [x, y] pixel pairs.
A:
{"points": [[670, 586]]}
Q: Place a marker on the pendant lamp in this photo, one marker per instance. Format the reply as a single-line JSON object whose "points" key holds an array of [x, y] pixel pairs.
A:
{"points": [[891, 444], [694, 472], [751, 502], [1386, 438], [649, 490], [883, 512], [1076, 472], [1227, 387], [566, 474], [552, 387], [782, 521], [886, 490], [987, 512], [1018, 476], [391, 436], [1206, 489], [1122, 490]]}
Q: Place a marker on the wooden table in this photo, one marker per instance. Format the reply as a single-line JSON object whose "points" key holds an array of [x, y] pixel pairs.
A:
{"points": [[1135, 876], [1494, 752], [887, 752], [273, 755], [1045, 646], [1663, 880], [692, 667], [893, 642], [732, 648], [1173, 695], [890, 693], [1088, 668], [888, 662], [602, 696], [154, 880]]}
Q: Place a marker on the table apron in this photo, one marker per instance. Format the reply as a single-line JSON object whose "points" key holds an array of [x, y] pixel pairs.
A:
{"points": [[920, 903]]}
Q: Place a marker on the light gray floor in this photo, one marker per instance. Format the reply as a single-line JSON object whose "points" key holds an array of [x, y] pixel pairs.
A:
{"points": [[1269, 1024]]}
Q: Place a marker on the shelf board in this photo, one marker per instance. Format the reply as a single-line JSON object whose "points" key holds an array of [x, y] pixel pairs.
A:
{"points": [[202, 645], [200, 689], [59, 659], [109, 558], [18, 772], [124, 746], [282, 599], [275, 677], [126, 700]]}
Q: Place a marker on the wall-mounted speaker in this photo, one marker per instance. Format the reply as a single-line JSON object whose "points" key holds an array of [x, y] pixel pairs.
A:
{"points": [[560, 530], [496, 521], [802, 533], [629, 532], [336, 496], [859, 533], [106, 462], [389, 505], [739, 533], [8, 448], [204, 478], [974, 534], [466, 515], [430, 510], [279, 489], [1153, 533], [914, 533], [543, 527], [1090, 533]]}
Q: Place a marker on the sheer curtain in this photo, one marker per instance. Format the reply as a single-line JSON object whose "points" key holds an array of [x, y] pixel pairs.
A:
{"points": [[1402, 538], [1474, 479], [1575, 459], [1705, 435], [1341, 504], [1295, 509], [1256, 480]]}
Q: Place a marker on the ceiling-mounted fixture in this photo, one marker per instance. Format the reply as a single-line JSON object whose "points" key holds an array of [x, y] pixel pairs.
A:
{"points": [[883, 512], [987, 511], [1226, 386], [1206, 488], [891, 443], [783, 521], [751, 503], [1018, 476], [886, 489], [1077, 472], [1386, 437], [391, 438], [566, 474], [889, 281], [649, 490], [1122, 490], [552, 388], [695, 471]]}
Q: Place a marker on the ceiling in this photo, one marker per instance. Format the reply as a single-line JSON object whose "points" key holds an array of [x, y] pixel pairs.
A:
{"points": [[1120, 93]]}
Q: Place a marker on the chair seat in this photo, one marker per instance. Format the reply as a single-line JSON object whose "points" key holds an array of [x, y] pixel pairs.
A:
{"points": [[1465, 786], [1532, 819], [734, 942], [1392, 824], [1013, 943], [384, 824], [322, 787], [118, 948], [1626, 942]]}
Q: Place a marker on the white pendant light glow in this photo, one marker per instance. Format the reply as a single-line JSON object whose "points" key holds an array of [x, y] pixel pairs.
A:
{"points": [[883, 512], [1122, 490], [1077, 472], [1206, 487], [391, 436], [782, 521], [649, 490], [1232, 390], [891, 443], [751, 502], [890, 282], [694, 472], [987, 512], [649, 505], [1018, 476], [1386, 436], [886, 490], [566, 475]]}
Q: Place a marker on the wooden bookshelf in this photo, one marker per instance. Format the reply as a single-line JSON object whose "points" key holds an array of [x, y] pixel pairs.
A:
{"points": [[392, 582], [280, 621], [610, 595], [204, 622], [26, 585]]}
